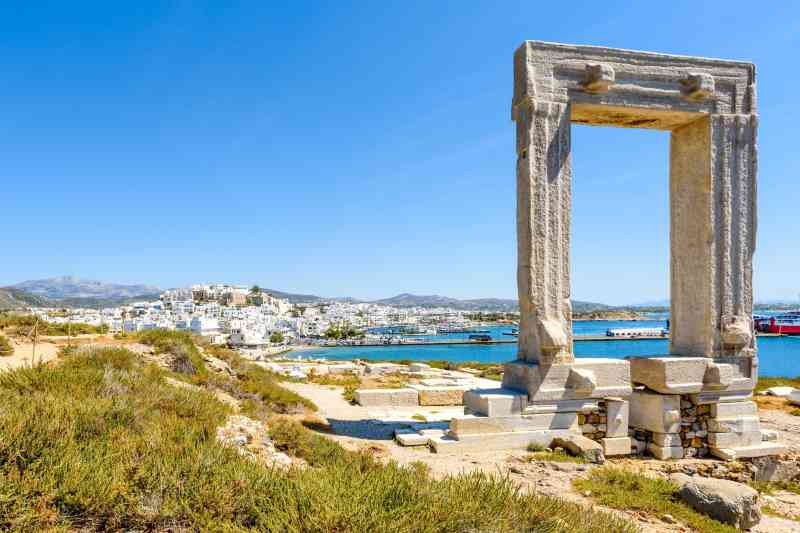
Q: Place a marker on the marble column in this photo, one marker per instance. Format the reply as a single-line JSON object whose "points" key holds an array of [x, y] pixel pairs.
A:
{"points": [[543, 231]]}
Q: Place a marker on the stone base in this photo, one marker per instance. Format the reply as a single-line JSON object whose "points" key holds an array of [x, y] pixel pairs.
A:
{"points": [[479, 425], [616, 446], [494, 402], [691, 375], [579, 379], [665, 452], [515, 440]]}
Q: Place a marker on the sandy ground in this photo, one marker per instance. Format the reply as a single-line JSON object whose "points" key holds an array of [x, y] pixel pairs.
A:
{"points": [[47, 348], [359, 428]]}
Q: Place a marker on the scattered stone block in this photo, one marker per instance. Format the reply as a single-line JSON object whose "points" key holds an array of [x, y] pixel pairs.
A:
{"points": [[580, 446], [794, 397], [494, 402], [770, 435], [419, 367], [387, 397], [774, 469], [783, 392], [344, 368], [726, 501], [744, 452], [616, 446], [410, 438], [655, 412], [447, 395]]}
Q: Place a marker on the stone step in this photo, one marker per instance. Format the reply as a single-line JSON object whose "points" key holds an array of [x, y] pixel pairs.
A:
{"points": [[760, 450]]}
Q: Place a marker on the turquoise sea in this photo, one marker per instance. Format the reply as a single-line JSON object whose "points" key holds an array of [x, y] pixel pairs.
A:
{"points": [[778, 356]]}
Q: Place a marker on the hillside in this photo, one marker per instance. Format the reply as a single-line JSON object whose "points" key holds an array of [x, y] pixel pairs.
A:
{"points": [[69, 287], [11, 298]]}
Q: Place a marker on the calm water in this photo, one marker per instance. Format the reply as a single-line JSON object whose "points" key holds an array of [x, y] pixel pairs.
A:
{"points": [[778, 356]]}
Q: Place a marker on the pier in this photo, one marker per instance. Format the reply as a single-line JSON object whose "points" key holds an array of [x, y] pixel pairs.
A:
{"points": [[431, 342]]}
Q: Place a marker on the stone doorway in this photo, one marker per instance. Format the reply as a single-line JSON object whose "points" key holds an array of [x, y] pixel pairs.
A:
{"points": [[709, 108]]}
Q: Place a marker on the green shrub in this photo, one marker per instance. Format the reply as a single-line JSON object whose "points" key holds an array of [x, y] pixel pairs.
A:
{"points": [[185, 358], [257, 387], [5, 347], [24, 325], [101, 442]]}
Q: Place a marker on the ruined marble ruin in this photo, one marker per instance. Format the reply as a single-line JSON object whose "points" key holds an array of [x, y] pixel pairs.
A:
{"points": [[697, 401]]}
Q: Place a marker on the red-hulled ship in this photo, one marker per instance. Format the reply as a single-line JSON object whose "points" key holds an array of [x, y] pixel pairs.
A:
{"points": [[785, 324]]}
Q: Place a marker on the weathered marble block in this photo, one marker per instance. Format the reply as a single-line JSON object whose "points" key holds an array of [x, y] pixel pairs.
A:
{"points": [[655, 412], [470, 424], [734, 440], [685, 375], [741, 424], [494, 402], [439, 395], [582, 378], [733, 409], [616, 446], [618, 414], [387, 397]]}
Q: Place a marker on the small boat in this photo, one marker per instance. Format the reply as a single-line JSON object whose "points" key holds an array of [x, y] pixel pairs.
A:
{"points": [[480, 338], [512, 333], [785, 324]]}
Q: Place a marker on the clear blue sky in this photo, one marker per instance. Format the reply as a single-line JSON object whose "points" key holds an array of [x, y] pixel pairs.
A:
{"points": [[359, 149]]}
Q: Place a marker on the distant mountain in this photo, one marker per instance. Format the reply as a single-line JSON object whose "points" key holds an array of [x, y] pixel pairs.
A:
{"points": [[68, 288], [16, 299]]}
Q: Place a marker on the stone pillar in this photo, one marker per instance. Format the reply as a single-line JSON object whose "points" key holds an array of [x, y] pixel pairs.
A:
{"points": [[712, 236], [543, 231]]}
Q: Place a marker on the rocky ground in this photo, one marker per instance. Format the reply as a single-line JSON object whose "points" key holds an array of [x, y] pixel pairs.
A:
{"points": [[356, 427]]}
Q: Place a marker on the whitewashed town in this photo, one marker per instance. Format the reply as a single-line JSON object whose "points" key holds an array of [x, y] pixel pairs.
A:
{"points": [[249, 318]]}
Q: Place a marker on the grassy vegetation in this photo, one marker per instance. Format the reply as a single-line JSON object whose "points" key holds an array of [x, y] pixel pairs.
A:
{"points": [[539, 452], [101, 442], [5, 347], [622, 489], [17, 324], [486, 370], [185, 358], [257, 388], [770, 487], [770, 511]]}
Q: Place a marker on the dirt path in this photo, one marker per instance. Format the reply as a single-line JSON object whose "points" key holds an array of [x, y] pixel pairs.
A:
{"points": [[24, 354]]}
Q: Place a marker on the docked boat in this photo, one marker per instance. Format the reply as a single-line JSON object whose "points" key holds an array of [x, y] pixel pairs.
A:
{"points": [[480, 338], [784, 324]]}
